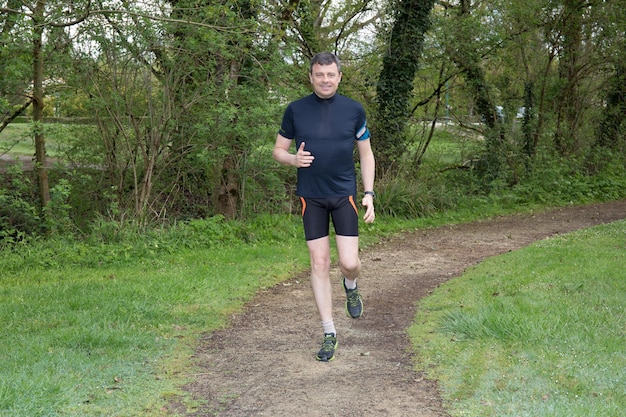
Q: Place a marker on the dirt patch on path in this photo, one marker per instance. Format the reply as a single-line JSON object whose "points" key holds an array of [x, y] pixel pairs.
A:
{"points": [[264, 364]]}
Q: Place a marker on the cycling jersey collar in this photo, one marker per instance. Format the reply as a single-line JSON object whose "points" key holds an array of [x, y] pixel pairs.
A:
{"points": [[325, 100]]}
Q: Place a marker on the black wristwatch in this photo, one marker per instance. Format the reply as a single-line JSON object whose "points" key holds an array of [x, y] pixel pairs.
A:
{"points": [[372, 193]]}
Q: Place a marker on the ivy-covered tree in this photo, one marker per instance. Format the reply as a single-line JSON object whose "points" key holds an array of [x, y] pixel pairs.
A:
{"points": [[467, 49], [395, 85]]}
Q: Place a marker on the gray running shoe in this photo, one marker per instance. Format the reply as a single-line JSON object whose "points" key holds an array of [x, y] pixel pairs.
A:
{"points": [[354, 302], [329, 344]]}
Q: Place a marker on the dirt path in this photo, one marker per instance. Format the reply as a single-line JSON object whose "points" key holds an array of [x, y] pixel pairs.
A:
{"points": [[27, 162], [264, 364]]}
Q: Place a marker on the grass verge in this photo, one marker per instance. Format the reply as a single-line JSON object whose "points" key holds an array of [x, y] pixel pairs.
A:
{"points": [[88, 333], [536, 332]]}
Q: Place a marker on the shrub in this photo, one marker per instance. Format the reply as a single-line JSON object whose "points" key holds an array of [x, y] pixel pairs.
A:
{"points": [[19, 214]]}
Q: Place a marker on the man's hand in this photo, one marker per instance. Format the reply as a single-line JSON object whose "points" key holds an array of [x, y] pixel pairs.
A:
{"points": [[368, 203], [303, 159]]}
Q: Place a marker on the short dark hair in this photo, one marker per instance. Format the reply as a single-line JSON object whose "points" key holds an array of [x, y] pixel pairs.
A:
{"points": [[324, 58]]}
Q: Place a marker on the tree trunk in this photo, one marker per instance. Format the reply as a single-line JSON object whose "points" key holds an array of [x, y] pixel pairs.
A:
{"points": [[466, 57], [569, 110], [40, 143], [613, 124], [395, 86]]}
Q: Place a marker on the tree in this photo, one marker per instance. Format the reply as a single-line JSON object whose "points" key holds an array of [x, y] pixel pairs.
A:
{"points": [[395, 84], [571, 62], [38, 74], [468, 48], [187, 94], [186, 86], [323, 25], [42, 15], [611, 133], [15, 63]]}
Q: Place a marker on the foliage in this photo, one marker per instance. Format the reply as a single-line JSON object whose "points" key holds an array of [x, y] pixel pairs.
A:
{"points": [[554, 183], [110, 243], [502, 67], [184, 120], [344, 28], [15, 63], [447, 179], [451, 178], [181, 101], [19, 216], [402, 198]]}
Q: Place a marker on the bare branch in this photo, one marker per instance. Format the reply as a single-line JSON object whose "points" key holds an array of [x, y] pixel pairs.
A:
{"points": [[233, 29], [88, 12], [76, 21], [15, 114], [12, 11]]}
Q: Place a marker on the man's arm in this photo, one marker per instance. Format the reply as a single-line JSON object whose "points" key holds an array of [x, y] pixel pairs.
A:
{"points": [[368, 171], [301, 159]]}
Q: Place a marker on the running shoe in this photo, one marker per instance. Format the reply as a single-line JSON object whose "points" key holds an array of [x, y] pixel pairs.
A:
{"points": [[354, 302], [329, 344]]}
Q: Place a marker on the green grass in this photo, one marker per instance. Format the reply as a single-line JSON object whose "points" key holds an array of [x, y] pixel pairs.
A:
{"points": [[100, 329], [536, 332], [16, 139], [451, 146], [117, 339]]}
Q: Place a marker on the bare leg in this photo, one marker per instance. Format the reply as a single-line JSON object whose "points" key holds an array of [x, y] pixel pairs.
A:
{"points": [[349, 262], [319, 251], [350, 265]]}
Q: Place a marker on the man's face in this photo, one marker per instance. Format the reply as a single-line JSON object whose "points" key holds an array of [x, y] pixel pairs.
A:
{"points": [[325, 79]]}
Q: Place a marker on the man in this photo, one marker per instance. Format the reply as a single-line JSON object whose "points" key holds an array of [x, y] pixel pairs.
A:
{"points": [[325, 125]]}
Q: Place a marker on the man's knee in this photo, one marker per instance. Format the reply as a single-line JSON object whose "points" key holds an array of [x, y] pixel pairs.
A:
{"points": [[351, 267]]}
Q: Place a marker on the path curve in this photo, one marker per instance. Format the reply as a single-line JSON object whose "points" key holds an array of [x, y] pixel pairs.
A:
{"points": [[263, 364]]}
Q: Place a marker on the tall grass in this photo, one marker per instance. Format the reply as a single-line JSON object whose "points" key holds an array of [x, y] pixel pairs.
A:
{"points": [[536, 332]]}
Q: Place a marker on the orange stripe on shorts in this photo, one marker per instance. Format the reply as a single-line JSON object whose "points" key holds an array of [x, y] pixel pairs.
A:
{"points": [[351, 198], [303, 205]]}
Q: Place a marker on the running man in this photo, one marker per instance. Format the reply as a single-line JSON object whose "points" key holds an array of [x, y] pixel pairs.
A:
{"points": [[325, 126]]}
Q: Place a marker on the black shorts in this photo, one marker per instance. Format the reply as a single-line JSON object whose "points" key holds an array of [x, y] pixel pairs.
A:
{"points": [[316, 213]]}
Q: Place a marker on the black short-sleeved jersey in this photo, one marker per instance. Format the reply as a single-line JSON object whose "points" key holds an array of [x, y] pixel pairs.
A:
{"points": [[329, 129]]}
